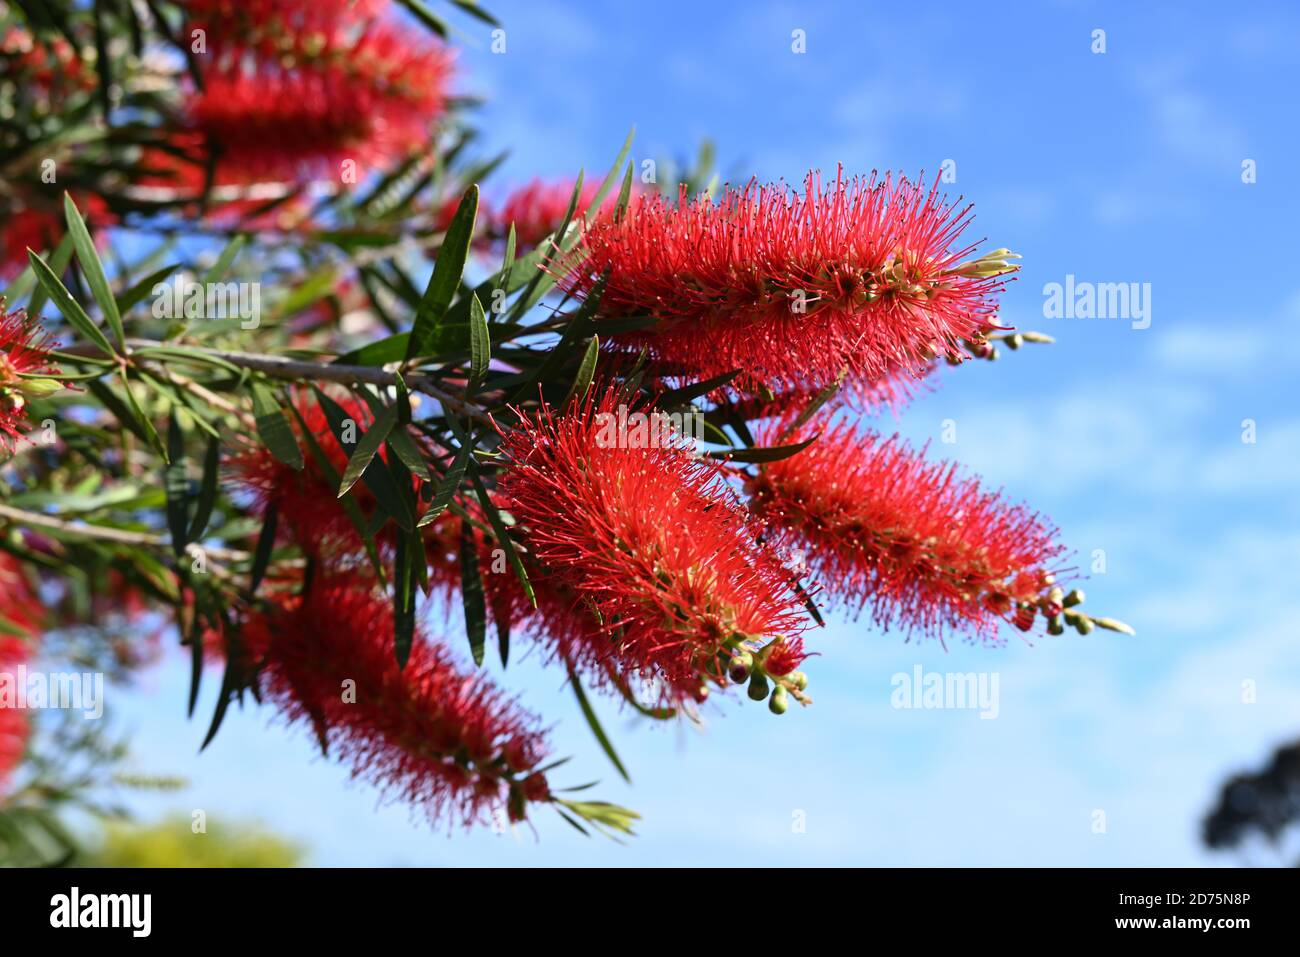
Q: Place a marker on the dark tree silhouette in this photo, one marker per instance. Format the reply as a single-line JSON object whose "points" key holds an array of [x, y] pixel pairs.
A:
{"points": [[1265, 804]]}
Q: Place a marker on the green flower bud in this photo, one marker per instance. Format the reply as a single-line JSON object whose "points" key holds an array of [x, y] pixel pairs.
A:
{"points": [[1112, 624], [1074, 598], [758, 686], [38, 388], [779, 701], [1083, 625], [799, 680], [1056, 625]]}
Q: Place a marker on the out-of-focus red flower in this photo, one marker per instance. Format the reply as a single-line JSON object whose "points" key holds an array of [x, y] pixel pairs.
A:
{"points": [[49, 68], [24, 348], [931, 551], [648, 543], [537, 209], [448, 742], [305, 502], [861, 279], [40, 228], [177, 170], [20, 619], [300, 87], [784, 657]]}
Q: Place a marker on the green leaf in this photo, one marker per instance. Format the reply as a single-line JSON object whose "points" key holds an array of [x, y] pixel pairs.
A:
{"points": [[207, 490], [680, 397], [146, 425], [503, 537], [225, 260], [59, 260], [93, 269], [176, 482], [390, 349], [377, 478], [404, 598], [447, 271], [265, 544], [404, 447], [819, 400], [131, 297], [451, 480], [426, 16], [349, 505], [608, 182], [582, 383], [624, 194], [594, 723], [474, 10], [68, 306], [472, 593], [773, 453], [366, 449], [274, 429], [480, 345]]}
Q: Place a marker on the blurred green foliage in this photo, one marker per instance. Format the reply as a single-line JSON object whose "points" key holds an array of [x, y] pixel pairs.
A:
{"points": [[171, 842]]}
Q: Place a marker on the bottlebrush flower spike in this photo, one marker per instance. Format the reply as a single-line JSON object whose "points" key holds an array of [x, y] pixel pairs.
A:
{"points": [[24, 349], [931, 551], [651, 542], [24, 227], [537, 209], [48, 70], [863, 278], [21, 612], [305, 501], [449, 743], [296, 90]]}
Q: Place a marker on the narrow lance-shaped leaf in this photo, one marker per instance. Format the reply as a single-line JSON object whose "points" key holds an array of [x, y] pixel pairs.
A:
{"points": [[93, 269], [176, 483], [403, 600], [375, 476], [366, 449], [445, 280], [472, 593], [274, 429], [772, 453], [207, 490], [480, 345], [586, 371], [265, 544], [594, 723], [503, 536], [59, 260], [68, 306]]}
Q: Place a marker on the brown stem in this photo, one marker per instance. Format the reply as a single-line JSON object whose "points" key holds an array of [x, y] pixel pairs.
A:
{"points": [[102, 533]]}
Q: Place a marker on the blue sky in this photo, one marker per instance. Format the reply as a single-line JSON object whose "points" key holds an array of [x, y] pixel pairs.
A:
{"points": [[1123, 166]]}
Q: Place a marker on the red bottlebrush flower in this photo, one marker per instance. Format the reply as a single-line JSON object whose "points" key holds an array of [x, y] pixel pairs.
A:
{"points": [[40, 229], [49, 69], [178, 171], [21, 612], [446, 741], [784, 657], [931, 551], [648, 543], [301, 88], [537, 209], [305, 502], [862, 278], [24, 348]]}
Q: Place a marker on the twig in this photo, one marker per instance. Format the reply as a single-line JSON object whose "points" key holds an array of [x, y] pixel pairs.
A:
{"points": [[120, 535], [295, 370]]}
